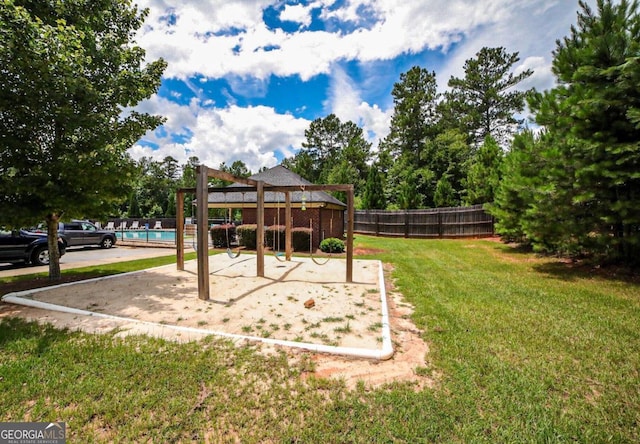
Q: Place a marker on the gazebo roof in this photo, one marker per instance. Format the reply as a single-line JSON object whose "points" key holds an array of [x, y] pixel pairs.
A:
{"points": [[277, 175]]}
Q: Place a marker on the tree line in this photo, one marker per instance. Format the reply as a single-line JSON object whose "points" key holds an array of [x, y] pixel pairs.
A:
{"points": [[441, 150]]}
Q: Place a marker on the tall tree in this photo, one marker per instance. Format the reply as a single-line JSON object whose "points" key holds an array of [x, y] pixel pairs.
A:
{"points": [[445, 195], [373, 197], [334, 152], [483, 177], [485, 101], [522, 175], [413, 123], [414, 116], [68, 69], [447, 156], [593, 113]]}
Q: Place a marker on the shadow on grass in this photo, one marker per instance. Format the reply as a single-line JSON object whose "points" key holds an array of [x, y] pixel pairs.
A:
{"points": [[571, 271], [17, 329]]}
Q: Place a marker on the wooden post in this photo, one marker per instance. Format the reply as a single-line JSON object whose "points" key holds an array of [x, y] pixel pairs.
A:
{"points": [[287, 227], [202, 214], [180, 229], [350, 223], [406, 223], [260, 228]]}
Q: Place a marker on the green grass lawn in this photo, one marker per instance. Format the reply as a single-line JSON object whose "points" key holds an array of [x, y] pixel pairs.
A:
{"points": [[524, 349]]}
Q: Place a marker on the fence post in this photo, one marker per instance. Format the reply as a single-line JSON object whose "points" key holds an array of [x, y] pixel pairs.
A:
{"points": [[406, 223], [440, 227], [377, 223]]}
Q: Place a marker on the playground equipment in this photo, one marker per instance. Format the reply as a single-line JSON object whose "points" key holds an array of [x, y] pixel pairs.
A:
{"points": [[203, 173]]}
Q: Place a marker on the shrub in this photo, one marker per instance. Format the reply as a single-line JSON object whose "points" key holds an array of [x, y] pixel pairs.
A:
{"points": [[300, 238], [221, 233], [247, 235], [270, 234], [332, 245]]}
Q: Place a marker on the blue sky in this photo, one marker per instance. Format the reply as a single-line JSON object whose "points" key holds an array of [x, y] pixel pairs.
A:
{"points": [[245, 78]]}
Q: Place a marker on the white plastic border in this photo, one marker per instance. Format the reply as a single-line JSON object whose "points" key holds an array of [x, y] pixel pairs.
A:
{"points": [[384, 353]]}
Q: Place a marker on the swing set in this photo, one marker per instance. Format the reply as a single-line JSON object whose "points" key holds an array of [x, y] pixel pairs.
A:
{"points": [[276, 233], [203, 173]]}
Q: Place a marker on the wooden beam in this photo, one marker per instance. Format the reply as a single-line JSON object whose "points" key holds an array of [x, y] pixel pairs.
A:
{"points": [[260, 229], [287, 227], [230, 177], [285, 188], [275, 188], [350, 217], [202, 215], [180, 230]]}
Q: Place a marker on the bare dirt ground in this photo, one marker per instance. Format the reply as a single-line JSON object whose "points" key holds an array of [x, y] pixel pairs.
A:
{"points": [[163, 302]]}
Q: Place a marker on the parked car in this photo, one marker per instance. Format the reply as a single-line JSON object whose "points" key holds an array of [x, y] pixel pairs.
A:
{"points": [[82, 232], [25, 246]]}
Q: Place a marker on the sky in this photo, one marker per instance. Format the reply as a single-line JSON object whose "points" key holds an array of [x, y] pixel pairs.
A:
{"points": [[246, 78]]}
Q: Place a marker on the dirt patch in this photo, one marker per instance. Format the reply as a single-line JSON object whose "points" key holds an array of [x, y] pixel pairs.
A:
{"points": [[367, 251], [39, 282]]}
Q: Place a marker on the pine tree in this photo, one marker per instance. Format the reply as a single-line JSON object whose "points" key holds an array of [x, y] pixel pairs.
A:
{"points": [[414, 121], [484, 102], [445, 195], [373, 197], [483, 177], [593, 116], [521, 177]]}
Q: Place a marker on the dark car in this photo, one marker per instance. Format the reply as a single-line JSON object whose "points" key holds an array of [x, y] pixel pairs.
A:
{"points": [[27, 247], [81, 232]]}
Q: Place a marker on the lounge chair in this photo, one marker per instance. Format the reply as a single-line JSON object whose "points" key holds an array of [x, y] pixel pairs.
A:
{"points": [[123, 225], [158, 225], [110, 226], [135, 225]]}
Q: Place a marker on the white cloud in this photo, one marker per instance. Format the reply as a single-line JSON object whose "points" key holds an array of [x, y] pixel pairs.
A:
{"points": [[391, 28], [254, 135], [296, 13], [345, 102], [228, 39], [217, 38], [529, 27]]}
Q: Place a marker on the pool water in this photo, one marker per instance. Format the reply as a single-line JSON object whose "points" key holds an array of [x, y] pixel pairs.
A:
{"points": [[147, 235]]}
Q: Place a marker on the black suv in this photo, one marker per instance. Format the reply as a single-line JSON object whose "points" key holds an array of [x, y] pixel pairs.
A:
{"points": [[24, 246]]}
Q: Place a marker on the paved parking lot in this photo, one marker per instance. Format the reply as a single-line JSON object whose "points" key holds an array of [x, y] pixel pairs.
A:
{"points": [[85, 256]]}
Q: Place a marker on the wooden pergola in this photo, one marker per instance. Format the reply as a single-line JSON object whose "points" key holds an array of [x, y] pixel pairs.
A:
{"points": [[202, 190]]}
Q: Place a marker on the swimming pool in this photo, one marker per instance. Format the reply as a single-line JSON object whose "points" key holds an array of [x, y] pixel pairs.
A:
{"points": [[147, 235]]}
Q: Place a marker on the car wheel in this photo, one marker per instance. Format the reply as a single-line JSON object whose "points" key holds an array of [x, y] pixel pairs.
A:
{"points": [[40, 256], [107, 242]]}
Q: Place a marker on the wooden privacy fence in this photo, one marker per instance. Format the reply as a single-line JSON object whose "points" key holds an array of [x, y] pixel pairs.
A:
{"points": [[471, 221]]}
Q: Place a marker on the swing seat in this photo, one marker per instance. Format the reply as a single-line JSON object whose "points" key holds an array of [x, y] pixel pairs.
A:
{"points": [[234, 255], [279, 255]]}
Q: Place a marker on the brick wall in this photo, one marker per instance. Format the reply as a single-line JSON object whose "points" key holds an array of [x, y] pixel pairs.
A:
{"points": [[326, 223]]}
